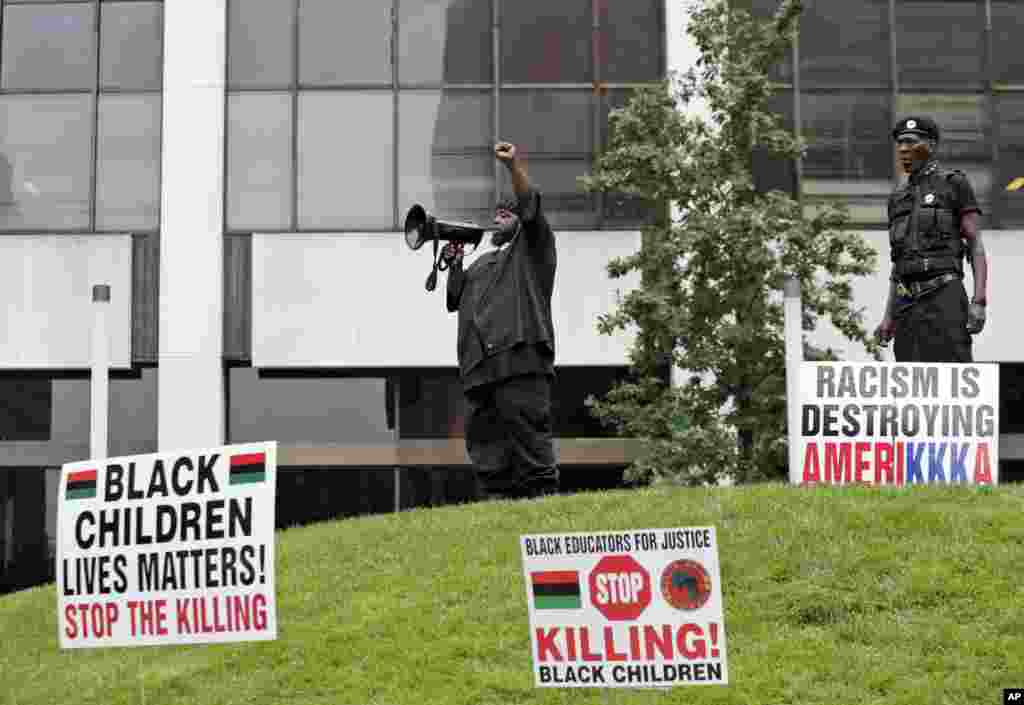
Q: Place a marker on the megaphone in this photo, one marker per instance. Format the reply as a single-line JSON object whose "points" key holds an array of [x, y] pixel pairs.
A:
{"points": [[421, 227]]}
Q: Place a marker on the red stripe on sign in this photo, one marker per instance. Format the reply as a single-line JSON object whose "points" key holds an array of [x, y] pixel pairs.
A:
{"points": [[549, 577], [82, 476], [248, 459]]}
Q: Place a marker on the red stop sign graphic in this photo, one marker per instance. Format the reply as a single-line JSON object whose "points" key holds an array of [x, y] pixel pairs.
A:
{"points": [[620, 588]]}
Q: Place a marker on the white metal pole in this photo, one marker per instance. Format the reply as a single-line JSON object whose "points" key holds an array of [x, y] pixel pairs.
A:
{"points": [[100, 383], [794, 356]]}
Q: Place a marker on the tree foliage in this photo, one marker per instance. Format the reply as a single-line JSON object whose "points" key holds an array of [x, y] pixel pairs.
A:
{"points": [[713, 266]]}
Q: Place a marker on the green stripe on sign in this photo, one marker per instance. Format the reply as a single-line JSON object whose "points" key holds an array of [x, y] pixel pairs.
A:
{"points": [[247, 478], [556, 602], [81, 493]]}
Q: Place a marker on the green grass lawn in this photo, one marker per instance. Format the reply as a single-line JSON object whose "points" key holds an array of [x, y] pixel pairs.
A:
{"points": [[837, 596]]}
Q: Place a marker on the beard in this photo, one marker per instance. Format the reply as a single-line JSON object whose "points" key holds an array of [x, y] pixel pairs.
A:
{"points": [[507, 232]]}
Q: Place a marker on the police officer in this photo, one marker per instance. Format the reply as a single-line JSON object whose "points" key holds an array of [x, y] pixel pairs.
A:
{"points": [[506, 344], [933, 224]]}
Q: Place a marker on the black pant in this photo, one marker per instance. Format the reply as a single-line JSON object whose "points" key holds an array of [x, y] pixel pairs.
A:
{"points": [[934, 327], [509, 436]]}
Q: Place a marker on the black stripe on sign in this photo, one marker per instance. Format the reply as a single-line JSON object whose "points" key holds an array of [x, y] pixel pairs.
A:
{"points": [[247, 469], [556, 589]]}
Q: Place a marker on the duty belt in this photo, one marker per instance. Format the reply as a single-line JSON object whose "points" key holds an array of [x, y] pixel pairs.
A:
{"points": [[917, 288]]}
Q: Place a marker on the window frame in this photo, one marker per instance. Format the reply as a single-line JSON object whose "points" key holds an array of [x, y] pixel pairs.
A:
{"points": [[496, 86], [989, 92], [95, 91]]}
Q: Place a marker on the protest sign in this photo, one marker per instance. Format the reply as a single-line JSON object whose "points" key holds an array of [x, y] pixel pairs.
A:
{"points": [[168, 548], [625, 609], [897, 424]]}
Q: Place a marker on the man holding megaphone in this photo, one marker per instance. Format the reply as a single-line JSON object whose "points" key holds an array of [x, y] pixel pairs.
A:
{"points": [[506, 344]]}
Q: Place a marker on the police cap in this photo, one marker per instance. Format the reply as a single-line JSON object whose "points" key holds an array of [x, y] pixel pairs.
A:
{"points": [[923, 126]]}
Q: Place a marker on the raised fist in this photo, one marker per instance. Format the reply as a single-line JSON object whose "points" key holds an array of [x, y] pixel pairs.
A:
{"points": [[505, 151]]}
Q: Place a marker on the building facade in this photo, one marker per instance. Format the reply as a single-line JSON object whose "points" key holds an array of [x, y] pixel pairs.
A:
{"points": [[858, 67], [238, 171]]}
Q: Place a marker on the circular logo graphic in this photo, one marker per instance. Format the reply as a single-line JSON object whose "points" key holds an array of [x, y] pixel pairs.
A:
{"points": [[686, 585], [911, 124], [930, 198]]}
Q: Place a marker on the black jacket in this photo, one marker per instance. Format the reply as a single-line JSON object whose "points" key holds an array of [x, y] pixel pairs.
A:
{"points": [[924, 223], [504, 298]]}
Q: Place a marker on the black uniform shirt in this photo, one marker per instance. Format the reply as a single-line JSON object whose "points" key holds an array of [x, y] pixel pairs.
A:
{"points": [[504, 303], [911, 206]]}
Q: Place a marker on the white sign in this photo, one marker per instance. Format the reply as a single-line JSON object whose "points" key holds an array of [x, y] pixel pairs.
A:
{"points": [[627, 609], [169, 548], [885, 423]]}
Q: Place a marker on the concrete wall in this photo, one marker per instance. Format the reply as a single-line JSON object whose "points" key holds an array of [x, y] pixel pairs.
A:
{"points": [[191, 382], [998, 342], [359, 301], [46, 285]]}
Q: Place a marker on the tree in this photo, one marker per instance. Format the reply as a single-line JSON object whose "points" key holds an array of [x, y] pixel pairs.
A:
{"points": [[712, 273]]}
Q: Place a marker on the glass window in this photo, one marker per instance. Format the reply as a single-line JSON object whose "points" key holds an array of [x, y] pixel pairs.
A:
{"points": [[1011, 398], [446, 159], [445, 41], [1010, 204], [261, 43], [133, 411], [555, 131], [52, 494], [940, 43], [71, 400], [45, 147], [25, 404], [566, 205], [344, 42], [437, 485], [346, 172], [547, 122], [259, 144], [128, 168], [848, 140], [1008, 60], [49, 48], [313, 410], [850, 153], [316, 494], [131, 40], [571, 415], [964, 124], [631, 40], [546, 42], [59, 410], [26, 561], [845, 43], [432, 405], [6, 515]]}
